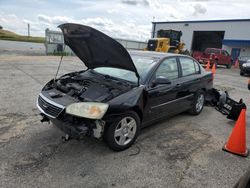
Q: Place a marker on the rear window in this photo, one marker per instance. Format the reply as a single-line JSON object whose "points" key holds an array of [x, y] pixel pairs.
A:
{"points": [[212, 51], [152, 44], [189, 67]]}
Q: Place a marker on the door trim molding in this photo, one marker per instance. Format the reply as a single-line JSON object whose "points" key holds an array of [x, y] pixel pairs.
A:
{"points": [[175, 100]]}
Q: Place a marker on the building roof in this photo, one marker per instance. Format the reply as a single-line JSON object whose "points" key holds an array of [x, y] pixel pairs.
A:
{"points": [[153, 54], [203, 21], [229, 42]]}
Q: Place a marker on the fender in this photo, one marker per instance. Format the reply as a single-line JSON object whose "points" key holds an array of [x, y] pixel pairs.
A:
{"points": [[134, 99]]}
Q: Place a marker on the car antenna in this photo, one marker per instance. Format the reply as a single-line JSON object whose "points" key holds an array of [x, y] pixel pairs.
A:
{"points": [[60, 62]]}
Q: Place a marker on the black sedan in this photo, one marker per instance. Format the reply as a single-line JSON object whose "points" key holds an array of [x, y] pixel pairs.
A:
{"points": [[120, 92], [244, 63]]}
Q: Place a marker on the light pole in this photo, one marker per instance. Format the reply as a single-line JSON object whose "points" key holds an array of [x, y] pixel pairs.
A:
{"points": [[28, 30]]}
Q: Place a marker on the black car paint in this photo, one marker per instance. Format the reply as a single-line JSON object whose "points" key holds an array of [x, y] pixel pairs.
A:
{"points": [[244, 70], [151, 103], [95, 48]]}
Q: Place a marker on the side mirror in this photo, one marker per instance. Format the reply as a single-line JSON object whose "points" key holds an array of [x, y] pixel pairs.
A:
{"points": [[161, 81]]}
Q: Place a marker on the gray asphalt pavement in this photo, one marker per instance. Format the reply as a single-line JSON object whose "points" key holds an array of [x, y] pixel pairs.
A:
{"points": [[183, 151]]}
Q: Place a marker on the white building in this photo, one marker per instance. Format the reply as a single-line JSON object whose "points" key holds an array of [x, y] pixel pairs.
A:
{"points": [[232, 35]]}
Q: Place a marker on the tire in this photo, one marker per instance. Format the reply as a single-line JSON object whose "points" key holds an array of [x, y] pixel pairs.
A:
{"points": [[241, 73], [125, 134], [171, 50], [229, 65], [216, 64], [198, 103]]}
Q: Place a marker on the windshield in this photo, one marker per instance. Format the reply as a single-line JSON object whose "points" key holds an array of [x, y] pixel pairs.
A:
{"points": [[142, 64], [212, 51]]}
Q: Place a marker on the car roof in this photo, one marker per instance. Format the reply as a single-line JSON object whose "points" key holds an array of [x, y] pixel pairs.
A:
{"points": [[158, 55]]}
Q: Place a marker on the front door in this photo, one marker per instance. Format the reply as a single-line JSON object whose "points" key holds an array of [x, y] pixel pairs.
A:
{"points": [[160, 97]]}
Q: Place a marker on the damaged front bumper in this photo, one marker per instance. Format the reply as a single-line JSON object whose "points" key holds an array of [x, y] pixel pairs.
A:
{"points": [[77, 131], [75, 127], [224, 104]]}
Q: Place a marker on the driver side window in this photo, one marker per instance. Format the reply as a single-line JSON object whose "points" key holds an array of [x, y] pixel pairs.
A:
{"points": [[167, 69]]}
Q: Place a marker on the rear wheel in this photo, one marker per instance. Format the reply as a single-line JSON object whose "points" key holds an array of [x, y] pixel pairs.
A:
{"points": [[171, 50], [216, 63], [229, 65], [198, 103], [122, 133]]}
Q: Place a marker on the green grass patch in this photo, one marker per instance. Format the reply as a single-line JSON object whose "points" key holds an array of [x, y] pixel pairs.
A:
{"points": [[59, 53], [8, 35]]}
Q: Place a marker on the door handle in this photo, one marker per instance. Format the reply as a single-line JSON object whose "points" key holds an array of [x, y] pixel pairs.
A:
{"points": [[178, 85]]}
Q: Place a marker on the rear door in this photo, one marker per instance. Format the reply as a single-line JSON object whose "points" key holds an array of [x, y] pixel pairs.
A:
{"points": [[189, 83], [161, 97]]}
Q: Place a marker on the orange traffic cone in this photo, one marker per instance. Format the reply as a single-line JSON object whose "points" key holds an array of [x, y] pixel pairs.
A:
{"points": [[213, 70], [236, 143], [236, 64], [208, 66]]}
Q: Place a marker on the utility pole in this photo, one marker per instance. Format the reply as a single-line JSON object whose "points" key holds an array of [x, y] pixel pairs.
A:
{"points": [[28, 30]]}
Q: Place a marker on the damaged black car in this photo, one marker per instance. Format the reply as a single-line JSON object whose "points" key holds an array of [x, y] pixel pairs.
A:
{"points": [[121, 91]]}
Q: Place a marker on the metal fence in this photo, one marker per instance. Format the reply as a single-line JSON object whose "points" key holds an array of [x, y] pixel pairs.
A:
{"points": [[54, 43]]}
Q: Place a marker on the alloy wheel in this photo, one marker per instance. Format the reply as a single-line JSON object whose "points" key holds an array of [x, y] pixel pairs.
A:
{"points": [[125, 131], [200, 103]]}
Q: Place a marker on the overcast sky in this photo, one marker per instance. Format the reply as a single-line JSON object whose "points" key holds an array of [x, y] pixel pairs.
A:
{"points": [[117, 18]]}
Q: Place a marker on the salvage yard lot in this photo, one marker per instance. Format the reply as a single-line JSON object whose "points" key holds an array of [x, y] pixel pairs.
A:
{"points": [[183, 151]]}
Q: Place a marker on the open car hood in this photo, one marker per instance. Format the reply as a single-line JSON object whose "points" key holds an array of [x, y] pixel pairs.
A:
{"points": [[95, 48]]}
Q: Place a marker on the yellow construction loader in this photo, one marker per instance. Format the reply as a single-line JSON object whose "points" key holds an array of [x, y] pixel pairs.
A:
{"points": [[167, 41]]}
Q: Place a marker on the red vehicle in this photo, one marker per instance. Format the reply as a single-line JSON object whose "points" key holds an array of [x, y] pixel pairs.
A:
{"points": [[215, 55]]}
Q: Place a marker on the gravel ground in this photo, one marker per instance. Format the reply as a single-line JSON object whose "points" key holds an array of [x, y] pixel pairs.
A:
{"points": [[183, 151]]}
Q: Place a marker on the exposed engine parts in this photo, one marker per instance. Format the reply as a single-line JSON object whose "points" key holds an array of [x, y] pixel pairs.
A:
{"points": [[86, 88], [72, 88], [98, 130]]}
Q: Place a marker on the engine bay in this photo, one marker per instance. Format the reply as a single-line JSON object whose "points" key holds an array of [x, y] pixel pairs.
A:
{"points": [[88, 87]]}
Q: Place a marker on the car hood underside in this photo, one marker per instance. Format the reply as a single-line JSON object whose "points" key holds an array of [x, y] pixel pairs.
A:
{"points": [[95, 48]]}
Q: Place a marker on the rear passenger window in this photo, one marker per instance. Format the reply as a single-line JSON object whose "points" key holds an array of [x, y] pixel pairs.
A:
{"points": [[167, 69], [188, 66]]}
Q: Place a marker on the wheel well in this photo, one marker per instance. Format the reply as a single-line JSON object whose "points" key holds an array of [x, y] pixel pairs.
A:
{"points": [[204, 90], [138, 111]]}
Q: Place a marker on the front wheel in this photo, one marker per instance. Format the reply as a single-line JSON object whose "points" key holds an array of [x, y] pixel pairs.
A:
{"points": [[198, 103], [122, 133], [241, 73]]}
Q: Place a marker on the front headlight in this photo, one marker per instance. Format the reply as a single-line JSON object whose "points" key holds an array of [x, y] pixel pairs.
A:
{"points": [[91, 110], [244, 65]]}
